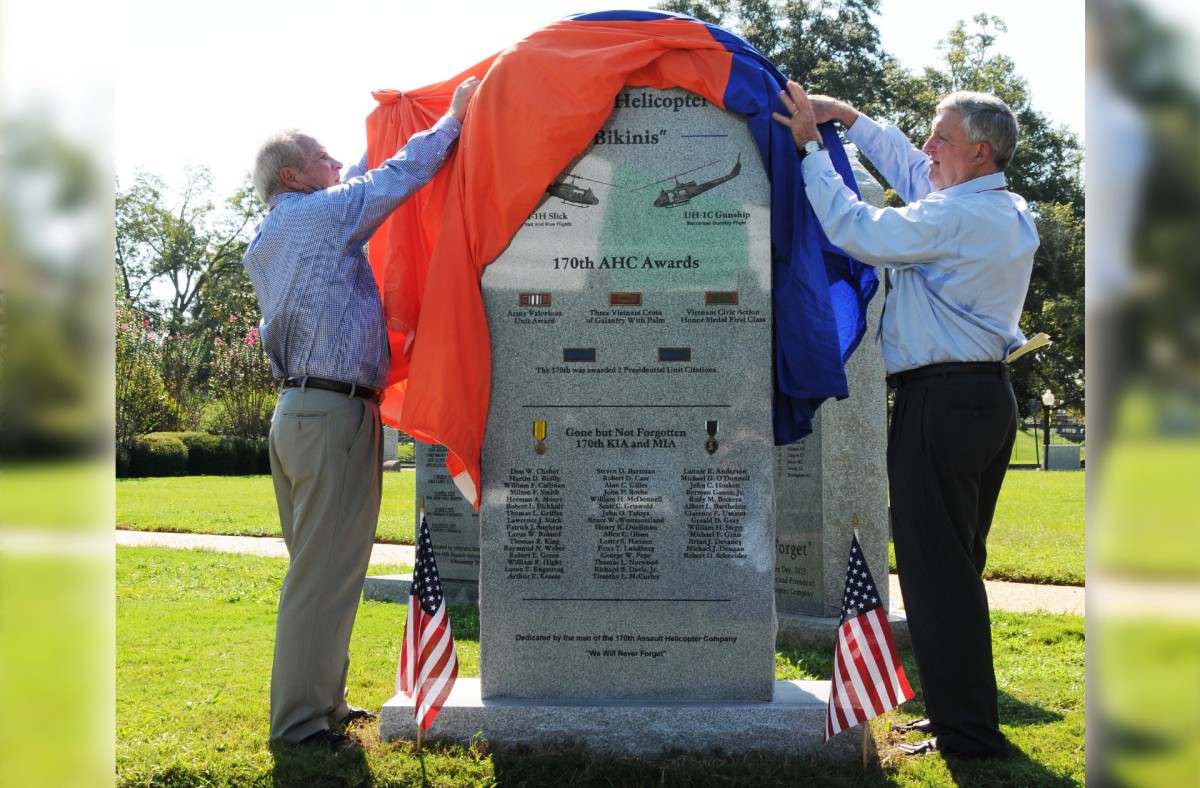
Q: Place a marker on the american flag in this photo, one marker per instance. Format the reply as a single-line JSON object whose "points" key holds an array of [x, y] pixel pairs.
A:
{"points": [[428, 661], [868, 678]]}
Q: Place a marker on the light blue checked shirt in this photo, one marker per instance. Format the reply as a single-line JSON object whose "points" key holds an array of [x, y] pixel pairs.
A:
{"points": [[322, 314], [959, 259]]}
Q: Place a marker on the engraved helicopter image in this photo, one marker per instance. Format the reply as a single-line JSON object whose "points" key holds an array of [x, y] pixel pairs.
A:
{"points": [[565, 189], [683, 192]]}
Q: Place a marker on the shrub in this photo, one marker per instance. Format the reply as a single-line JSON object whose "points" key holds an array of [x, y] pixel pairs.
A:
{"points": [[252, 456], [182, 361], [209, 455], [142, 401], [193, 454], [158, 454], [122, 462], [240, 378]]}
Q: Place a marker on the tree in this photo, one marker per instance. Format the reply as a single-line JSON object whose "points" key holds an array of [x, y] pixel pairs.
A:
{"points": [[712, 11], [189, 248], [1045, 171], [1046, 167], [831, 45], [1055, 305]]}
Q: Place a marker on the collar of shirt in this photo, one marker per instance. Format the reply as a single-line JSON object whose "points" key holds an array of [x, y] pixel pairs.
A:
{"points": [[984, 183], [280, 197]]}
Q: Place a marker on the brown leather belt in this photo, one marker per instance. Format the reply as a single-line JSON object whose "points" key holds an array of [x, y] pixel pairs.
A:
{"points": [[337, 386], [949, 368]]}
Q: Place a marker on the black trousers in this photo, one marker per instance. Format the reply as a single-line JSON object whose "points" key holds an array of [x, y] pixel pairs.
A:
{"points": [[949, 446]]}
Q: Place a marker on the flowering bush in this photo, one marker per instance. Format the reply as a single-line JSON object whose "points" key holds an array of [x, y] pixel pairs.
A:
{"points": [[240, 382], [183, 363], [143, 403]]}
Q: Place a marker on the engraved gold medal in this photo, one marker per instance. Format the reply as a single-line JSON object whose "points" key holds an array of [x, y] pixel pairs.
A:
{"points": [[539, 434]]}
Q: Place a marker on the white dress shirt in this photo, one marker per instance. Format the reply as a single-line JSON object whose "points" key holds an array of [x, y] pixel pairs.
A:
{"points": [[959, 259]]}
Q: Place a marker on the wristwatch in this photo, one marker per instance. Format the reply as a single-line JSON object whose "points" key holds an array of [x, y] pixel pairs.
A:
{"points": [[812, 146]]}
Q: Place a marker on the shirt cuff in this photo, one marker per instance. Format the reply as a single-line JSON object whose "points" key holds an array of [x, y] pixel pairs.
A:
{"points": [[815, 162]]}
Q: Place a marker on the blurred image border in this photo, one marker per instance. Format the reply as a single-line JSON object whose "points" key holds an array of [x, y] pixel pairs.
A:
{"points": [[56, 383]]}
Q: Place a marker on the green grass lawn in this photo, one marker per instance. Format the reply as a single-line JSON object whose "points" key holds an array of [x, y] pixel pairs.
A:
{"points": [[1037, 536], [195, 633], [1029, 446], [241, 505]]}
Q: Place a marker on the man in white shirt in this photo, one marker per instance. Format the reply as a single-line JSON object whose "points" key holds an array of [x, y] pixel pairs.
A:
{"points": [[958, 257]]}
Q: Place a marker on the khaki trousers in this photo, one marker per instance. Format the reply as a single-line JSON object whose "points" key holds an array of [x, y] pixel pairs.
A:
{"points": [[326, 462]]}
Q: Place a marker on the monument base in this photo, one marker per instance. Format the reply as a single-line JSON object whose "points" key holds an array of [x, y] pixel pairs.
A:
{"points": [[797, 630], [398, 588], [793, 724]]}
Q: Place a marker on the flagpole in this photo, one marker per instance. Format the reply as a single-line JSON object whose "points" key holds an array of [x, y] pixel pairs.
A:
{"points": [[867, 724]]}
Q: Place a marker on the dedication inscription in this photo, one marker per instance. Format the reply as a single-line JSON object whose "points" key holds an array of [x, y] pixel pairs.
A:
{"points": [[626, 524]]}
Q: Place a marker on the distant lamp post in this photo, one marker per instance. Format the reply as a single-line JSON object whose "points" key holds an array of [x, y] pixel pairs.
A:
{"points": [[1047, 404]]}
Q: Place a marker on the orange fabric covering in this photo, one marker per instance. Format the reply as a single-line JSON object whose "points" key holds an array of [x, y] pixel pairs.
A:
{"points": [[539, 105]]}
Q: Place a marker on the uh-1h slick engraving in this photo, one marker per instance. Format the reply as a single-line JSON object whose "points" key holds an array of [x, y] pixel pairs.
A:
{"points": [[683, 192], [565, 189]]}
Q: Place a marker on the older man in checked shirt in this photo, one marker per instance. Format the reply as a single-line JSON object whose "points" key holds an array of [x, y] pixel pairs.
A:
{"points": [[324, 331]]}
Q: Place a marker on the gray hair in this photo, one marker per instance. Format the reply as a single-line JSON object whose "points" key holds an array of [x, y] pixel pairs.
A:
{"points": [[281, 149], [986, 118]]}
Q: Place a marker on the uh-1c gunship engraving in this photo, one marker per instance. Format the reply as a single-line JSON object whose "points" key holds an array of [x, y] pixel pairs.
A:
{"points": [[683, 192]]}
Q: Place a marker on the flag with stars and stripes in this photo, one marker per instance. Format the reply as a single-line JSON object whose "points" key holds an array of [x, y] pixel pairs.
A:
{"points": [[868, 678], [428, 661]]}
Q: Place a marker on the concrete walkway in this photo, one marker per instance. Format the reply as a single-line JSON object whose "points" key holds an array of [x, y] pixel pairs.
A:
{"points": [[1016, 597]]}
